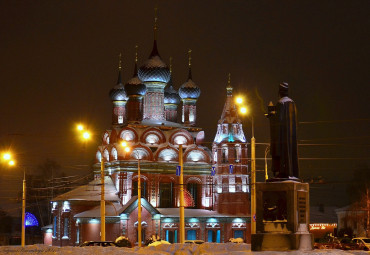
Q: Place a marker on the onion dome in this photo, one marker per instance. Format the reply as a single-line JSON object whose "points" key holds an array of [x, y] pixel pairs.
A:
{"points": [[170, 95], [154, 69], [134, 87], [189, 90], [118, 93]]}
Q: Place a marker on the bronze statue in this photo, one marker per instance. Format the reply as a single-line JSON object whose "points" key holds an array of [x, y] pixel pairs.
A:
{"points": [[283, 132]]}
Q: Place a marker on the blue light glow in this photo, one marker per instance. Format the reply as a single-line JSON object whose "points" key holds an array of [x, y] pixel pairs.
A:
{"points": [[30, 220]]}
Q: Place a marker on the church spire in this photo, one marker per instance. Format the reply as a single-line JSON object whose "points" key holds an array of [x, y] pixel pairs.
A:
{"points": [[190, 76], [171, 65], [229, 88], [119, 80], [135, 68], [155, 28]]}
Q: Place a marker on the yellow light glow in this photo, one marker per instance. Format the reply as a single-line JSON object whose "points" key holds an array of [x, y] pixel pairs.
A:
{"points": [[239, 100], [243, 110], [124, 144], [80, 127], [11, 163], [127, 149], [86, 135], [7, 156]]}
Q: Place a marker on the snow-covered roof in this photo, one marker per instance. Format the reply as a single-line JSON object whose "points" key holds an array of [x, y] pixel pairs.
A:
{"points": [[174, 212], [110, 210], [91, 192]]}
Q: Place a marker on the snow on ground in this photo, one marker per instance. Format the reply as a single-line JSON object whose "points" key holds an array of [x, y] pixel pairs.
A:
{"points": [[174, 249]]}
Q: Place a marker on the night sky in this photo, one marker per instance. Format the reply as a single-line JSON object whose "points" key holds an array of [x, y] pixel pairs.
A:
{"points": [[59, 59]]}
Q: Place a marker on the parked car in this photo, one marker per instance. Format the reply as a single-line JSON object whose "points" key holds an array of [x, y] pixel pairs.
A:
{"points": [[194, 241], [363, 243], [328, 243], [96, 243], [352, 244]]}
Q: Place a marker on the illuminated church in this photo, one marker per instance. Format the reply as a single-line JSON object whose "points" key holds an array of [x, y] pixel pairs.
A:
{"points": [[155, 118]]}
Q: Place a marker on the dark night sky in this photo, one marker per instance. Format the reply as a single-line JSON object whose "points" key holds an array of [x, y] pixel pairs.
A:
{"points": [[59, 60]]}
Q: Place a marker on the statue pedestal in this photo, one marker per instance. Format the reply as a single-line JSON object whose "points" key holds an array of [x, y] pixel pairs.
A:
{"points": [[282, 217]]}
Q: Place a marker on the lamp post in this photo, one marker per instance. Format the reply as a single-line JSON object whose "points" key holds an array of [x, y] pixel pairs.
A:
{"points": [[182, 210], [139, 226], [266, 151], [86, 135], [7, 158], [102, 201], [243, 111]]}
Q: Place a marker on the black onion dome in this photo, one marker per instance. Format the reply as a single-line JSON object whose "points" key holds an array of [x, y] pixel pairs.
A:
{"points": [[154, 69], [118, 93], [189, 89], [170, 95], [134, 87]]}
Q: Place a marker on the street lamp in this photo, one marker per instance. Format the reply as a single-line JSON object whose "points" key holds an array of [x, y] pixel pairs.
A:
{"points": [[244, 110], [86, 135], [139, 227], [7, 158]]}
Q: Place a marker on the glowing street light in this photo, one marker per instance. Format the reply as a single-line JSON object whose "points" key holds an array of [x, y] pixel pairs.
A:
{"points": [[11, 163], [243, 110], [86, 135], [80, 127], [7, 156], [239, 100]]}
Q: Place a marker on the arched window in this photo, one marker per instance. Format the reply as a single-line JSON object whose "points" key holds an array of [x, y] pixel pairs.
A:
{"points": [[193, 189], [114, 154], [167, 155], [98, 156], [143, 188], [165, 195], [238, 150], [127, 135], [152, 139], [225, 155], [180, 140]]}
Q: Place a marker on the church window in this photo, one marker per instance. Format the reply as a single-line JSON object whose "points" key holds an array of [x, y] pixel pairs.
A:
{"points": [[106, 138], [152, 139], [193, 189], [225, 156], [55, 226], [143, 188], [106, 155], [195, 156], [191, 234], [66, 227], [215, 157], [167, 155], [171, 236], [180, 140], [214, 236], [239, 234], [98, 156], [127, 135], [165, 195], [237, 153], [120, 119], [114, 154]]}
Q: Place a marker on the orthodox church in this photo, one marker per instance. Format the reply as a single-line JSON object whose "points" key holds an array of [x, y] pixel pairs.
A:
{"points": [[145, 115]]}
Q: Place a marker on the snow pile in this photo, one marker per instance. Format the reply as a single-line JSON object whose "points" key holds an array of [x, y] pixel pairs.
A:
{"points": [[164, 249]]}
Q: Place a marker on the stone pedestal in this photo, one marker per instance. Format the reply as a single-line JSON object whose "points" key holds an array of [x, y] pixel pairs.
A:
{"points": [[282, 217]]}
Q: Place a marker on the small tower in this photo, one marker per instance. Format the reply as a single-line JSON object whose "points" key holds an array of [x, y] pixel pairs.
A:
{"points": [[189, 93], [229, 151], [119, 99], [135, 91], [171, 100], [155, 74]]}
